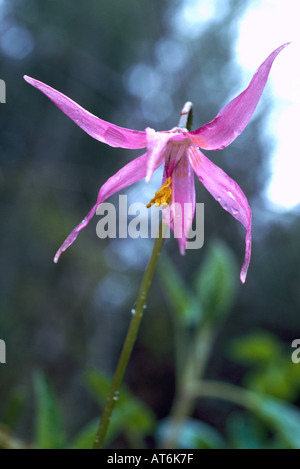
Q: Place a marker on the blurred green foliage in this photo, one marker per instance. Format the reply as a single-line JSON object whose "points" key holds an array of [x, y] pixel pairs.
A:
{"points": [[194, 434], [268, 419], [49, 417], [272, 377], [216, 282], [131, 417], [271, 368]]}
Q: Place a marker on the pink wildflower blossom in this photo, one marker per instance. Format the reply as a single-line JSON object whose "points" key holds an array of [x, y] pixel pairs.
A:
{"points": [[179, 151]]}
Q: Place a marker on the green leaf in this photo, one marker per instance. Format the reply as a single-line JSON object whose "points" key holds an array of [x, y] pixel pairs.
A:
{"points": [[99, 384], [130, 414], [246, 431], [86, 437], [293, 376], [192, 434], [282, 417], [271, 380], [49, 419], [180, 297], [216, 281], [258, 348], [14, 407], [272, 371]]}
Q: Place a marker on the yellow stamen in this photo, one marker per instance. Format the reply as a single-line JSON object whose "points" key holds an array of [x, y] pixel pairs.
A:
{"points": [[163, 195]]}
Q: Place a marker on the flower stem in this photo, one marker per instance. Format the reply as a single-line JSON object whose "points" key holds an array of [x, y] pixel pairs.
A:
{"points": [[186, 116], [137, 315]]}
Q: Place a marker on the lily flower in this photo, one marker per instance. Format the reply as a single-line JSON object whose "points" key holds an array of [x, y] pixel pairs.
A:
{"points": [[179, 151]]}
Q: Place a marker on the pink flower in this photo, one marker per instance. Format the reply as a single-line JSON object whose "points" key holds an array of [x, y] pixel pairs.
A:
{"points": [[179, 151]]}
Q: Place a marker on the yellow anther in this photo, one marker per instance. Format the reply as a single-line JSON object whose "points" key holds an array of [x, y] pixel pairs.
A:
{"points": [[163, 195]]}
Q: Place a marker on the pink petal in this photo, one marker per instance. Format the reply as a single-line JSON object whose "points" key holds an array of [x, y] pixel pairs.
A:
{"points": [[99, 129], [233, 118], [180, 212], [156, 145], [129, 174], [227, 192]]}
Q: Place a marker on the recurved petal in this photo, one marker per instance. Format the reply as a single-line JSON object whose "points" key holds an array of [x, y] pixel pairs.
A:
{"points": [[180, 212], [129, 174], [229, 195], [233, 118], [99, 129]]}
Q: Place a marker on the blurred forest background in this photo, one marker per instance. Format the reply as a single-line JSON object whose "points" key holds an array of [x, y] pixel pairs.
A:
{"points": [[133, 63]]}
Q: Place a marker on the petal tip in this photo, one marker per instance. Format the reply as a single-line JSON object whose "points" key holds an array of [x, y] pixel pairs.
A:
{"points": [[27, 78], [56, 257], [182, 246], [243, 276]]}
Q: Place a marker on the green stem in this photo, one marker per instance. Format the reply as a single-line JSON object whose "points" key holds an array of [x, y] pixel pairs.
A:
{"points": [[186, 116], [185, 121], [131, 336], [224, 391], [185, 399], [185, 402]]}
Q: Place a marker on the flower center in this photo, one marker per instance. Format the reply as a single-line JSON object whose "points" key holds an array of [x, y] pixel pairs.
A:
{"points": [[163, 195]]}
